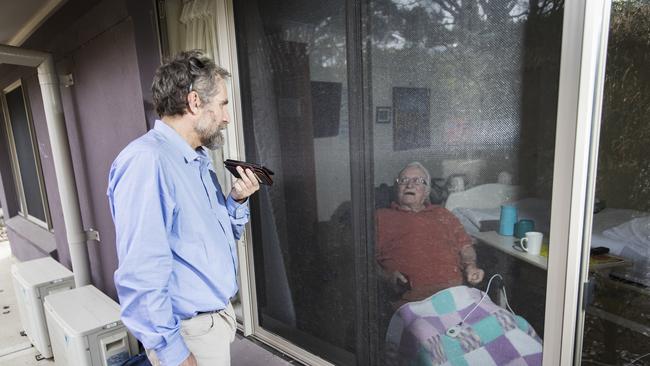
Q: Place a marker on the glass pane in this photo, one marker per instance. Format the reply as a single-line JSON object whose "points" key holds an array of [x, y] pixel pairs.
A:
{"points": [[617, 319], [25, 150], [468, 90], [294, 85]]}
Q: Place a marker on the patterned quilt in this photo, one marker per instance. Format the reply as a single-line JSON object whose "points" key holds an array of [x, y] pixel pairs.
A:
{"points": [[490, 335]]}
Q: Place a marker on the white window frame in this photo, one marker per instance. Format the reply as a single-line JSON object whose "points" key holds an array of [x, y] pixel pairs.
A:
{"points": [[578, 110], [234, 149], [592, 82], [584, 41], [15, 164]]}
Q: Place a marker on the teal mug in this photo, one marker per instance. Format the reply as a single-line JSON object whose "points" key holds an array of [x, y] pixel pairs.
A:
{"points": [[523, 226]]}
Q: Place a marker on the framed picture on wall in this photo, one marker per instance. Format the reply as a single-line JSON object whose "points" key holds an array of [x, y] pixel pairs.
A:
{"points": [[383, 115]]}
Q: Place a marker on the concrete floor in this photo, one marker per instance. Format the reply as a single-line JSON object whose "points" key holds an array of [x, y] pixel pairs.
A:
{"points": [[16, 350]]}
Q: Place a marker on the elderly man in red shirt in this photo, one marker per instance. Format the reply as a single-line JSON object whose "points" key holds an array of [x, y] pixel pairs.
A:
{"points": [[422, 248]]}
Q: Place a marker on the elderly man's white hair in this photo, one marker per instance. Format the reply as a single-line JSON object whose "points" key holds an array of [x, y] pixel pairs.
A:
{"points": [[427, 176]]}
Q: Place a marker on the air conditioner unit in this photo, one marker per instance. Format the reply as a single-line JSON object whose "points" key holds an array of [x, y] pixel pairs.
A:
{"points": [[86, 330], [33, 280]]}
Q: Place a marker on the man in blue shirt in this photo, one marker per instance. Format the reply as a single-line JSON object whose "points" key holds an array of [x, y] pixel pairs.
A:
{"points": [[175, 229]]}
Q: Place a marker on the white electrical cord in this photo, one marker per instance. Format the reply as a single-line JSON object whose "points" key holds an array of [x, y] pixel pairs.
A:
{"points": [[505, 295], [637, 359], [453, 331]]}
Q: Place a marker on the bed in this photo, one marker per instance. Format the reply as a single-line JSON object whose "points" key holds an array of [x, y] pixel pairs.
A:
{"points": [[625, 232]]}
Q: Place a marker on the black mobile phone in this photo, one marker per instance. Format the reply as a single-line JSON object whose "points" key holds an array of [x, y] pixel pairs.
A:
{"points": [[262, 173]]}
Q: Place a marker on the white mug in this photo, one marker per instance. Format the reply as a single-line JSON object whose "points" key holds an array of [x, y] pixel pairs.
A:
{"points": [[532, 243]]}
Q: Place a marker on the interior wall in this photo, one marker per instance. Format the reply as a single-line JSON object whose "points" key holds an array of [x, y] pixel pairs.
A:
{"points": [[500, 83], [475, 68], [415, 69], [387, 73]]}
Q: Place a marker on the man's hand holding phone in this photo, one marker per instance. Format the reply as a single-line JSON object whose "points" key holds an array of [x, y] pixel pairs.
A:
{"points": [[244, 186]]}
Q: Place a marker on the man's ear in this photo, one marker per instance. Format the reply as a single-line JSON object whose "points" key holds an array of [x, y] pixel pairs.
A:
{"points": [[193, 102]]}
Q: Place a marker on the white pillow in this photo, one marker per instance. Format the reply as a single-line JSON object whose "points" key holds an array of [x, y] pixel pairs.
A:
{"points": [[476, 215], [635, 232]]}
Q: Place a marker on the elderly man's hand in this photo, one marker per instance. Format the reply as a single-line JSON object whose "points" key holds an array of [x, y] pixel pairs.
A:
{"points": [[397, 282], [398, 278], [474, 274], [244, 187]]}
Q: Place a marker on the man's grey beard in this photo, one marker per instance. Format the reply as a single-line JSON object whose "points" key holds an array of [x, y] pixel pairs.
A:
{"points": [[215, 141], [212, 142]]}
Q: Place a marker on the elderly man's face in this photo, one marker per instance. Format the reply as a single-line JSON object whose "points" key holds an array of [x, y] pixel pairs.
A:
{"points": [[412, 194]]}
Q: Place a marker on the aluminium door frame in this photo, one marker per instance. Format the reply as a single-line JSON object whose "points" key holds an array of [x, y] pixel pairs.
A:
{"points": [[602, 30], [234, 149]]}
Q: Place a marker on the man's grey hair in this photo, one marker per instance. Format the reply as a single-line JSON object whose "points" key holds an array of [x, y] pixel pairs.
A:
{"points": [[424, 170], [175, 79]]}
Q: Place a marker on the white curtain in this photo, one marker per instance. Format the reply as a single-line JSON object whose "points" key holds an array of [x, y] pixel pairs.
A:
{"points": [[191, 24], [199, 19]]}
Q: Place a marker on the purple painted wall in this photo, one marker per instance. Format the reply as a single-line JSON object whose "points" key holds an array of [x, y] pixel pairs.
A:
{"points": [[111, 50], [104, 112]]}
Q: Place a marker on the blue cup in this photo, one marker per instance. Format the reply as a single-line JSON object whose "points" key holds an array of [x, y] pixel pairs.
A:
{"points": [[507, 220], [523, 226]]}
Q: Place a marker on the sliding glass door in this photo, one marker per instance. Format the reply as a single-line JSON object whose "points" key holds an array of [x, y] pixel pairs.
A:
{"points": [[464, 104], [428, 160]]}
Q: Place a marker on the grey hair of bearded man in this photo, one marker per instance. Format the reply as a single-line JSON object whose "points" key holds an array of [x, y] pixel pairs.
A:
{"points": [[427, 176], [186, 72]]}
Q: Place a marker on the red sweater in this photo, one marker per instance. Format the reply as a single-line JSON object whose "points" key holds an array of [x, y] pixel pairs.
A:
{"points": [[425, 246]]}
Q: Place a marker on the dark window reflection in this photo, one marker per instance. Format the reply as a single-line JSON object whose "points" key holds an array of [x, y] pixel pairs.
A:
{"points": [[25, 151], [293, 57], [617, 322]]}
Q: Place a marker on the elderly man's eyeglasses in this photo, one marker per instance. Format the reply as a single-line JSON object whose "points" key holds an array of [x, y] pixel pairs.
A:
{"points": [[416, 181]]}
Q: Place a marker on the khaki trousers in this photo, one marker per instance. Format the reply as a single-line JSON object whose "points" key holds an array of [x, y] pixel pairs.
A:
{"points": [[208, 337]]}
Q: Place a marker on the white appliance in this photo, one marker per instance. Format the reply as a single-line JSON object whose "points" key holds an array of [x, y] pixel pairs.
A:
{"points": [[33, 280], [86, 330]]}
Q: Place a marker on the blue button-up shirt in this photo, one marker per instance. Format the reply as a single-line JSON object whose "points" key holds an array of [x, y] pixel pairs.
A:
{"points": [[175, 234]]}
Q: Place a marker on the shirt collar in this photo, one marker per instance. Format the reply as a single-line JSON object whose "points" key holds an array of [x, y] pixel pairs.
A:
{"points": [[427, 207], [176, 140]]}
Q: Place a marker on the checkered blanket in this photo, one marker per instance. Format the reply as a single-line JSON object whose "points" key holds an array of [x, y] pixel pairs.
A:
{"points": [[489, 336]]}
